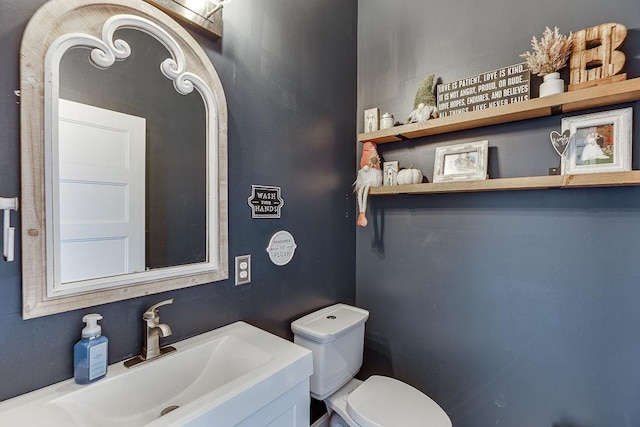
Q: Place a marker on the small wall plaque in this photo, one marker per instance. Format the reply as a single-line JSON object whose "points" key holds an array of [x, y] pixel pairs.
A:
{"points": [[265, 202], [390, 173], [371, 119], [281, 247]]}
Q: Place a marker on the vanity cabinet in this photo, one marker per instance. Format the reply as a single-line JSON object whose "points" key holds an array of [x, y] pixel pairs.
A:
{"points": [[288, 410], [594, 97]]}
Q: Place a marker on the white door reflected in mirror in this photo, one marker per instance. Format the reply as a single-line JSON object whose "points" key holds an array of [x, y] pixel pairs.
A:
{"points": [[101, 193]]}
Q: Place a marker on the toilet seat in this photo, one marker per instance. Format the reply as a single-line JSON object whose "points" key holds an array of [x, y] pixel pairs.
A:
{"points": [[386, 402]]}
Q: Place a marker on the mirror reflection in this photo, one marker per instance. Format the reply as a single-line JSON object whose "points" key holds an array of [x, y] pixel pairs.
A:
{"points": [[131, 166]]}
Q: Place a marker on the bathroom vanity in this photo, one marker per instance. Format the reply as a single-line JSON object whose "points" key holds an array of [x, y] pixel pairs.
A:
{"points": [[237, 375]]}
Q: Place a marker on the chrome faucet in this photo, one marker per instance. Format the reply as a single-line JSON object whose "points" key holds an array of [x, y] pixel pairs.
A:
{"points": [[154, 330]]}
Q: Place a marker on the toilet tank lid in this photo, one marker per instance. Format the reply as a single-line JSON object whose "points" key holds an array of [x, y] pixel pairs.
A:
{"points": [[329, 323]]}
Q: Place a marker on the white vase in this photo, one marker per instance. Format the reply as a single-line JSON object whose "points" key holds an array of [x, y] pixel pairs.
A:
{"points": [[551, 84]]}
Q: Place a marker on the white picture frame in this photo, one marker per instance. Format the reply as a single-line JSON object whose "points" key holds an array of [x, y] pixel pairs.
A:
{"points": [[371, 120], [461, 162], [604, 138]]}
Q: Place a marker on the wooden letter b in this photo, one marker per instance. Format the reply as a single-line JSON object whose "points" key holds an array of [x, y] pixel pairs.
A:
{"points": [[594, 54]]}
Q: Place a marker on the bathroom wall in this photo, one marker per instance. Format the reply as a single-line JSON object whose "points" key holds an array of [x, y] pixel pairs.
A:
{"points": [[507, 308], [289, 72]]}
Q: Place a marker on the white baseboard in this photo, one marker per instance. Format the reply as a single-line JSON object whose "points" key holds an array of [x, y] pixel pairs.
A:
{"points": [[323, 421]]}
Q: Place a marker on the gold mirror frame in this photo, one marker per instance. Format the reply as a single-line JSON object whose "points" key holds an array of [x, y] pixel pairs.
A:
{"points": [[64, 18]]}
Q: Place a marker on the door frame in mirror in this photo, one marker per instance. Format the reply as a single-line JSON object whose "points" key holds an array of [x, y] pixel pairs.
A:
{"points": [[59, 18]]}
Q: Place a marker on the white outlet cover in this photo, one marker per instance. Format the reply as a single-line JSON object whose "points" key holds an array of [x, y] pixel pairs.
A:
{"points": [[281, 247]]}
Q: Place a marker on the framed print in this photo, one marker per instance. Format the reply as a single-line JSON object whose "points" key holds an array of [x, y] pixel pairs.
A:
{"points": [[371, 119], [461, 162], [599, 142]]}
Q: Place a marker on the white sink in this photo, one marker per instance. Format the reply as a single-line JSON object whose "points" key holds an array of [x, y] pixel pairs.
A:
{"points": [[221, 377]]}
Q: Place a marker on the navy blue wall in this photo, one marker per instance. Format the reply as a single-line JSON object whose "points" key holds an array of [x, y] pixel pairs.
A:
{"points": [[507, 308], [288, 69]]}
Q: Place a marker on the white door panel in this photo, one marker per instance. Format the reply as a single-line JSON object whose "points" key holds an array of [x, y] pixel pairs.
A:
{"points": [[101, 191]]}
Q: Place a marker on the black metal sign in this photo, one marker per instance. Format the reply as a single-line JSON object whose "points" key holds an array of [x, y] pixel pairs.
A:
{"points": [[265, 202], [507, 85]]}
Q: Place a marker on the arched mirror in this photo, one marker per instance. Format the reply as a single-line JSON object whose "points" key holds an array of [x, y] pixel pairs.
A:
{"points": [[124, 175]]}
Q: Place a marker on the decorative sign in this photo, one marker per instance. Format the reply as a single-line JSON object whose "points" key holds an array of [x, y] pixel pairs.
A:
{"points": [[265, 202], [560, 141], [500, 87], [390, 173], [281, 248], [371, 119]]}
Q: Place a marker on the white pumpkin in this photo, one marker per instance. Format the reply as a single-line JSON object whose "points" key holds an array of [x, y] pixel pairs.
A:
{"points": [[409, 176]]}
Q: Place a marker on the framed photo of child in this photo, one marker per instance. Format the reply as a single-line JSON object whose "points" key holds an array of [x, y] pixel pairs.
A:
{"points": [[461, 162]]}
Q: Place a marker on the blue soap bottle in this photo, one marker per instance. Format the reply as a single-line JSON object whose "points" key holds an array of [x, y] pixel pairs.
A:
{"points": [[90, 353]]}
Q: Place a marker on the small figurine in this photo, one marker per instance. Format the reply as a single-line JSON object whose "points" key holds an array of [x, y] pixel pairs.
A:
{"points": [[369, 176], [422, 113], [424, 104]]}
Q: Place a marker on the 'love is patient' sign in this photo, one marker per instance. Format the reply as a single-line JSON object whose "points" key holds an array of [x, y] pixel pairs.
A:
{"points": [[505, 86]]}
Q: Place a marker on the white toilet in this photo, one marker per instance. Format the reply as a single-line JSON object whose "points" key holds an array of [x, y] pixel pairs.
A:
{"points": [[335, 335]]}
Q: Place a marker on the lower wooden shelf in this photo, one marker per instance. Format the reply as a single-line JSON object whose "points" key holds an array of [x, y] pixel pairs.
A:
{"points": [[610, 179]]}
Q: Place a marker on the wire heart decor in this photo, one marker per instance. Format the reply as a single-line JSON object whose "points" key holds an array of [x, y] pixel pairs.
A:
{"points": [[560, 141]]}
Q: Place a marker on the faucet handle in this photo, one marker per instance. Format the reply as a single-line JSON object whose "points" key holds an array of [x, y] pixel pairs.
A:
{"points": [[152, 312]]}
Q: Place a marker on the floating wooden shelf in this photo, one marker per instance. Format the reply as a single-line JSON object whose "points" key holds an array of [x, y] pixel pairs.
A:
{"points": [[610, 179], [593, 97]]}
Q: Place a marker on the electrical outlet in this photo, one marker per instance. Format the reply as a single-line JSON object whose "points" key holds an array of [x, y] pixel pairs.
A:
{"points": [[243, 269]]}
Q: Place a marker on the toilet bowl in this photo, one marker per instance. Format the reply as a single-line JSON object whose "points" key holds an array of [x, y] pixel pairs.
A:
{"points": [[335, 336]]}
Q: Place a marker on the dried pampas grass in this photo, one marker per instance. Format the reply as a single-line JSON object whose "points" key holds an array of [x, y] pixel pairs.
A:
{"points": [[550, 54]]}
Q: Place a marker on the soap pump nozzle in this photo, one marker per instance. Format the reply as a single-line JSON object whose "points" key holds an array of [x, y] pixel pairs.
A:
{"points": [[92, 329]]}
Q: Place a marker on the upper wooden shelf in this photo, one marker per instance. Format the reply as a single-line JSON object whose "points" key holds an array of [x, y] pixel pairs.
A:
{"points": [[598, 96]]}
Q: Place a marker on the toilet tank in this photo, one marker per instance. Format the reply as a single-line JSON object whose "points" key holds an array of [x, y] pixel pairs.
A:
{"points": [[335, 336]]}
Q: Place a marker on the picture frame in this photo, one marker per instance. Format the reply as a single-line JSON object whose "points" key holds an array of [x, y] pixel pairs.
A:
{"points": [[371, 120], [461, 162], [390, 173], [599, 142]]}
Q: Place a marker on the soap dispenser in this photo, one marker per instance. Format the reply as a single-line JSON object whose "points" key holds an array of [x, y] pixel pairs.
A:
{"points": [[90, 353]]}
